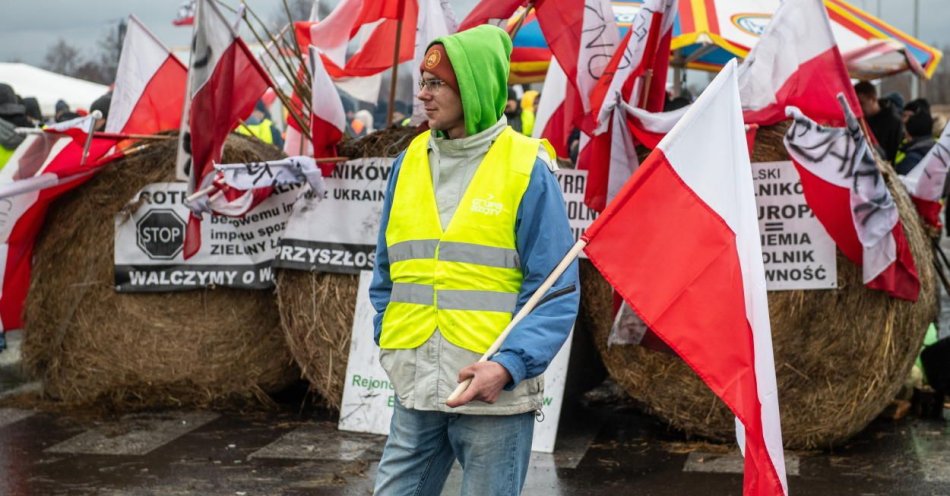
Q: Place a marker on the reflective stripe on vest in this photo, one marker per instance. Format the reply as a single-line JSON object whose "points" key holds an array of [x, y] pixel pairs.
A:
{"points": [[464, 280]]}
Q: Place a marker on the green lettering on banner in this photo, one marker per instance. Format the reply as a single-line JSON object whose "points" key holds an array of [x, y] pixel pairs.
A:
{"points": [[356, 379], [391, 402], [548, 400]]}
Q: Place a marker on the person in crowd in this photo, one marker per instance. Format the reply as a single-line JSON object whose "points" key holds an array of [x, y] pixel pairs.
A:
{"points": [[920, 139], [32, 106], [102, 104], [12, 116], [513, 111], [882, 118], [472, 222], [897, 101], [63, 112], [913, 107], [261, 126], [529, 111]]}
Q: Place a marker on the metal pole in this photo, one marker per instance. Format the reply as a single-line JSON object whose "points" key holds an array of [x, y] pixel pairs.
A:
{"points": [[915, 82]]}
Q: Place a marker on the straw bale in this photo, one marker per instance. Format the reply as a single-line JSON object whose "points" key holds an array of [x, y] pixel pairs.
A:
{"points": [[840, 355], [90, 344], [316, 309]]}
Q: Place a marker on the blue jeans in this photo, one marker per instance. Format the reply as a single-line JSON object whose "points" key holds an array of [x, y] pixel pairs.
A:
{"points": [[493, 450]]}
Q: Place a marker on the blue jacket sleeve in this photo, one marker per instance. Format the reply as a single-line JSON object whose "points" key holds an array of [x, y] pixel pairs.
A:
{"points": [[543, 238], [381, 286]]}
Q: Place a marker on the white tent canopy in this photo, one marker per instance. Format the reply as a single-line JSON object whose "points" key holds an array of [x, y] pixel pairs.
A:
{"points": [[47, 87]]}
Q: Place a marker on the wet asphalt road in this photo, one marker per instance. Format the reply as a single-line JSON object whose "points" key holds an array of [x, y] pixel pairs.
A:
{"points": [[601, 450]]}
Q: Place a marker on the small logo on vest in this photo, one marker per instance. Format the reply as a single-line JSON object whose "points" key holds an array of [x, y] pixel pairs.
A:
{"points": [[487, 206]]}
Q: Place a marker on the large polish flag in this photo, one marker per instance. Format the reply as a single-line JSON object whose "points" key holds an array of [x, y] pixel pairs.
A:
{"points": [[697, 279], [375, 24], [149, 90], [926, 181], [328, 120], [225, 81], [52, 168], [795, 62], [846, 191]]}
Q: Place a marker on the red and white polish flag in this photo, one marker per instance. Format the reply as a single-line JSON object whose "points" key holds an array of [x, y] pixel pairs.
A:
{"points": [[583, 36], [847, 193], [328, 121], [795, 62], [495, 12], [926, 181], [50, 168], [224, 83], [149, 87], [690, 210], [637, 53], [374, 23], [550, 121]]}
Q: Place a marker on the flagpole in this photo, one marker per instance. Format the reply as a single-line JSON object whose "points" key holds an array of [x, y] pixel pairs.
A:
{"points": [[574, 252], [394, 77], [518, 25], [96, 115]]}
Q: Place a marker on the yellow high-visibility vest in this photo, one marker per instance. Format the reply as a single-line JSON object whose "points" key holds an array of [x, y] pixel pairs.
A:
{"points": [[261, 131], [464, 280]]}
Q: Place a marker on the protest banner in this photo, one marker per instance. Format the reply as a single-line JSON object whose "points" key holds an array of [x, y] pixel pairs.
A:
{"points": [[797, 251], [235, 252]]}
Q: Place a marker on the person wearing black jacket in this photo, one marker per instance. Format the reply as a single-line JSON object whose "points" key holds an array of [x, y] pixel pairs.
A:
{"points": [[883, 119]]}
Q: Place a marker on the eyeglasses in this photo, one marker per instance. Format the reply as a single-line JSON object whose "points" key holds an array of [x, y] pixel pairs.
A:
{"points": [[432, 85]]}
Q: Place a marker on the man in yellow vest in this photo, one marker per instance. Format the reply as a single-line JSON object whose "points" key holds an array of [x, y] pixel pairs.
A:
{"points": [[261, 127], [472, 224]]}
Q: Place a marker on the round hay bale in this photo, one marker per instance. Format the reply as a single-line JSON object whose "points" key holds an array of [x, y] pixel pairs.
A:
{"points": [[840, 355], [90, 344], [316, 309]]}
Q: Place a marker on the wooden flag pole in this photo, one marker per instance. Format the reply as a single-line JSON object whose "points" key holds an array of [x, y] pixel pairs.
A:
{"points": [[525, 310], [395, 74], [521, 19]]}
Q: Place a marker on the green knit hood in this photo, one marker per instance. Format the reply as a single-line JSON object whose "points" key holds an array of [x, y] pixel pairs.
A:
{"points": [[480, 57]]}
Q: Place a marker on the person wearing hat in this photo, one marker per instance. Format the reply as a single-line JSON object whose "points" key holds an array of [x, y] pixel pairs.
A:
{"points": [[472, 223], [920, 139], [12, 116], [261, 127]]}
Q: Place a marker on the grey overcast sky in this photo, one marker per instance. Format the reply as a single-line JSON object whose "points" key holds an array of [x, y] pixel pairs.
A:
{"points": [[29, 27]]}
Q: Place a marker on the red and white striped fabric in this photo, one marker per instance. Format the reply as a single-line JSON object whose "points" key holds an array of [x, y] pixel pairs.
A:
{"points": [[225, 81], [847, 193], [186, 14], [550, 120], [50, 168], [926, 181], [328, 121], [609, 159], [375, 22], [149, 87], [697, 279], [496, 12], [583, 37], [649, 128], [796, 62], [639, 51]]}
